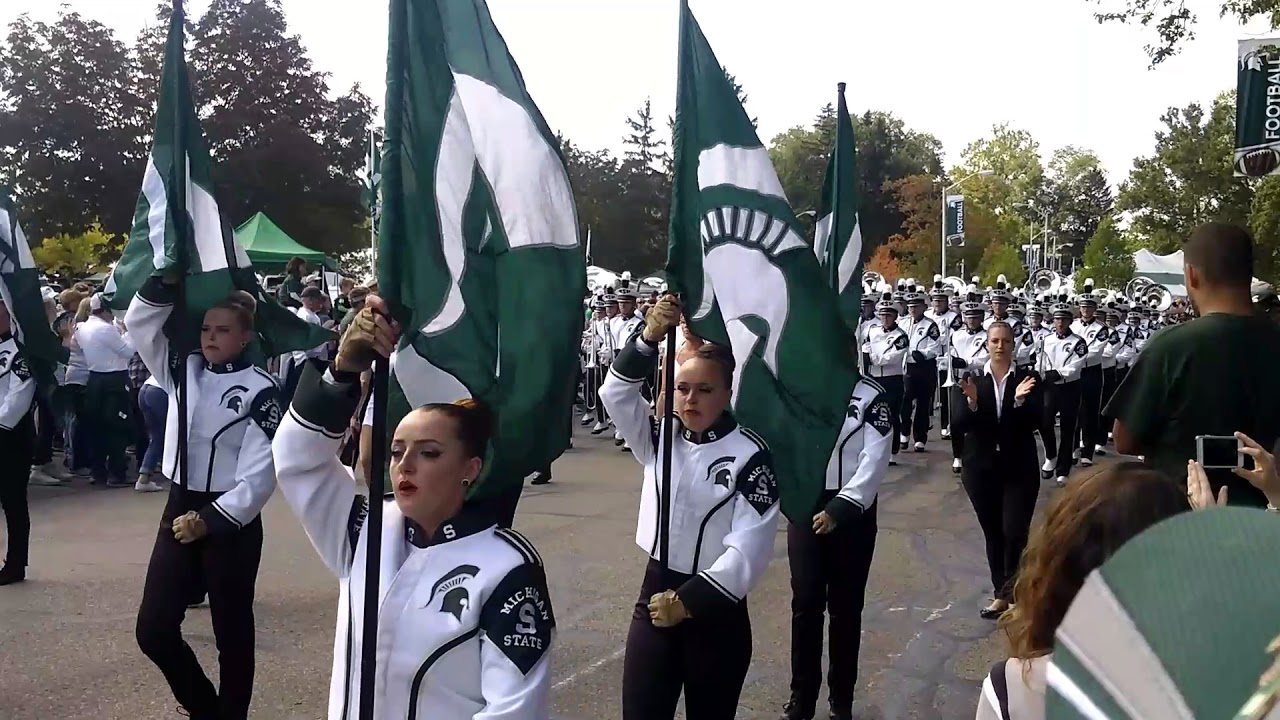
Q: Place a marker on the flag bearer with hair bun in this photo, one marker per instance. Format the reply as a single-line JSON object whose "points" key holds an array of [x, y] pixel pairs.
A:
{"points": [[210, 534]]}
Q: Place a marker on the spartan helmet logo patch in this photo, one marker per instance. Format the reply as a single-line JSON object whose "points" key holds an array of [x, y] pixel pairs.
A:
{"points": [[721, 472], [233, 398], [452, 588], [4, 360]]}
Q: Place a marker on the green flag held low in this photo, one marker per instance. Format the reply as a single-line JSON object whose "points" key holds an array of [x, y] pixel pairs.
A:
{"points": [[178, 228], [478, 249], [751, 282]]}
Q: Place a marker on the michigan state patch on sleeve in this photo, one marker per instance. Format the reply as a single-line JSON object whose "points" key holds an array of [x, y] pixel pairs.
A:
{"points": [[758, 483], [933, 331], [517, 619], [20, 368], [266, 412], [957, 323], [1082, 348], [879, 418], [901, 341]]}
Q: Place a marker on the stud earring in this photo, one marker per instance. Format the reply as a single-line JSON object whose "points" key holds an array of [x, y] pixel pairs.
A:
{"points": [[466, 482]]}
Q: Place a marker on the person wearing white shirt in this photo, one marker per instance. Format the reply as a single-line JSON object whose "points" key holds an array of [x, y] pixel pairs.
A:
{"points": [[106, 402], [998, 419]]}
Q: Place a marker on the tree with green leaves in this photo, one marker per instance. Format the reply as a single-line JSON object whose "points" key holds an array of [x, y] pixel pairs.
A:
{"points": [[1078, 197], [1264, 223], [742, 94], [1002, 258], [1107, 257], [70, 141], [75, 255], [1187, 180], [1174, 22]]}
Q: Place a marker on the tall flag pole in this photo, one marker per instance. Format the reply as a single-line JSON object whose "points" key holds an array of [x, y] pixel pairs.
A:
{"points": [[473, 233], [838, 241], [751, 282]]}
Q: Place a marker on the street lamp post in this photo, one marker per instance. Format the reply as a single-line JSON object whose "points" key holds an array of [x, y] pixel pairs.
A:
{"points": [[945, 190]]}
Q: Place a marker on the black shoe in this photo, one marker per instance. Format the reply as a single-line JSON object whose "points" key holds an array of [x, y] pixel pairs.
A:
{"points": [[794, 711], [118, 483], [835, 715], [541, 478], [11, 574], [618, 442]]}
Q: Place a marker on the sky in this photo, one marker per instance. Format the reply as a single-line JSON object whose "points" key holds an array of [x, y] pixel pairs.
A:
{"points": [[948, 68]]}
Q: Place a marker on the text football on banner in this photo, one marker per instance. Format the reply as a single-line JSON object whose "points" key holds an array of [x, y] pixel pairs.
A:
{"points": [[1258, 108], [955, 220]]}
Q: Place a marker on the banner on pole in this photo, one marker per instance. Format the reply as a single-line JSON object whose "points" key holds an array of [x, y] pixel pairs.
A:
{"points": [[1257, 108], [955, 220]]}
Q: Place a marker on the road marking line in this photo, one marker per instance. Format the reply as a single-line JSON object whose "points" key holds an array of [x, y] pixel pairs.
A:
{"points": [[590, 667]]}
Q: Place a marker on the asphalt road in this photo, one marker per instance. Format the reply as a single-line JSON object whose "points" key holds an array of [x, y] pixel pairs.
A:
{"points": [[67, 649]]}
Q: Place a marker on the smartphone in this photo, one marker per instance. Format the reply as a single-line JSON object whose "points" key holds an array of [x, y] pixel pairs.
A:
{"points": [[1218, 452]]}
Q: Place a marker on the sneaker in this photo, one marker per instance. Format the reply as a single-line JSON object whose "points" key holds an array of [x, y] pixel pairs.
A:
{"points": [[541, 478], [946, 433], [144, 485], [619, 442], [1046, 470], [1086, 462], [599, 428], [586, 419], [119, 483], [955, 466], [919, 447], [903, 440], [1099, 450], [39, 477], [1060, 481]]}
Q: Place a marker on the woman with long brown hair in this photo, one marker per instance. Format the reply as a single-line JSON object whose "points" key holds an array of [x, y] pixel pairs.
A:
{"points": [[1087, 522]]}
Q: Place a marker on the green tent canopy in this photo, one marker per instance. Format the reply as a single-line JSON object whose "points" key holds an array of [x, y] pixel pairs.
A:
{"points": [[270, 249]]}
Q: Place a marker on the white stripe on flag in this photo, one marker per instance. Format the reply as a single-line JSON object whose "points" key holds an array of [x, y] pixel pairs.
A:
{"points": [[157, 212], [746, 168], [4, 237], [849, 260], [206, 226], [454, 166]]}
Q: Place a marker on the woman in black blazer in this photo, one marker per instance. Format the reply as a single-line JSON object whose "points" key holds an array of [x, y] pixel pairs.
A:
{"points": [[999, 459]]}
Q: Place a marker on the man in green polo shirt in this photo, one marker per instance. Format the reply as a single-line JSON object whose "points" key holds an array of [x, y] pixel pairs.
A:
{"points": [[1214, 375]]}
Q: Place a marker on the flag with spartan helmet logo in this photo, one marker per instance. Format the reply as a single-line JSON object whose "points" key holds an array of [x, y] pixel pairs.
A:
{"points": [[751, 281]]}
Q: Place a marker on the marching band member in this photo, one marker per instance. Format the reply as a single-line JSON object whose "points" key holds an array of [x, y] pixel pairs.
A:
{"points": [[623, 326], [605, 348], [948, 321], [1024, 353], [886, 346], [1000, 300], [1113, 318], [967, 357], [1061, 362], [691, 630], [17, 445], [465, 601], [924, 344], [1090, 327], [869, 320], [831, 559], [210, 534]]}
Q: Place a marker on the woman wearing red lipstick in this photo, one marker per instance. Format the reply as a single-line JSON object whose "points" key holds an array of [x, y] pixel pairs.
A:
{"points": [[690, 631], [466, 624]]}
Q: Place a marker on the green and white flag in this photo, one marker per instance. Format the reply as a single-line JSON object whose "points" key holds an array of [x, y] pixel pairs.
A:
{"points": [[372, 177], [1257, 151], [750, 281], [478, 251], [178, 228], [838, 240], [20, 290]]}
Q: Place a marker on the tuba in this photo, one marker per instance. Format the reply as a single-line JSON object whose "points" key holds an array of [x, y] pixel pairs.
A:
{"points": [[872, 279], [1042, 281], [958, 286]]}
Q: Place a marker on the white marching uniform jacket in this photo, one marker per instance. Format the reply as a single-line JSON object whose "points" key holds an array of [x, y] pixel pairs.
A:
{"points": [[948, 322], [16, 382], [1111, 348], [465, 623], [1095, 335], [887, 350], [606, 348], [724, 493], [861, 456], [924, 337], [1065, 355], [233, 411], [622, 327], [970, 347]]}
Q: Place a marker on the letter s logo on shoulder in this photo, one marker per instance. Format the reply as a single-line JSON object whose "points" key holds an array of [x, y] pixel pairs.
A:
{"points": [[879, 417], [933, 331], [1082, 349], [759, 486]]}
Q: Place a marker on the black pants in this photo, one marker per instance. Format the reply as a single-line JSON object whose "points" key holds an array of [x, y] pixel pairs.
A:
{"points": [[944, 400], [46, 428], [227, 567], [894, 389], [16, 449], [1110, 380], [1004, 499], [828, 573], [707, 658], [956, 396], [106, 403], [917, 399], [1090, 401], [600, 373], [1060, 400]]}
